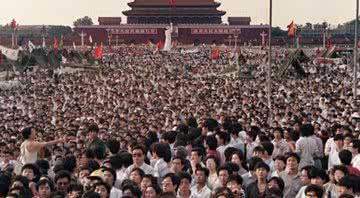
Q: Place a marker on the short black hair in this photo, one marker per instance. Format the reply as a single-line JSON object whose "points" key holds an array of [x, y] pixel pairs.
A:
{"points": [[185, 175], [211, 142], [262, 165], [345, 157], [227, 168], [279, 181], [341, 168], [315, 188], [134, 190], [44, 182], [26, 132], [202, 169], [107, 187], [139, 170], [93, 128], [356, 144], [90, 194], [174, 179], [235, 177], [253, 161], [62, 174], [294, 155], [139, 147], [112, 171], [268, 147], [113, 145], [338, 137]]}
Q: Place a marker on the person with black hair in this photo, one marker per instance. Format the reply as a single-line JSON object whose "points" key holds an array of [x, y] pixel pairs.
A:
{"points": [[137, 175], [268, 151], [334, 153], [291, 176], [44, 188], [185, 184], [152, 191], [314, 191], [222, 142], [235, 185], [95, 143], [201, 189], [75, 191], [306, 146], [348, 185], [250, 177], [356, 153], [259, 188], [177, 164], [345, 157], [280, 145], [30, 147], [170, 183], [113, 145], [305, 179], [110, 179], [159, 152], [138, 157], [237, 157], [62, 180], [211, 145], [223, 174], [235, 140], [212, 163], [103, 189]]}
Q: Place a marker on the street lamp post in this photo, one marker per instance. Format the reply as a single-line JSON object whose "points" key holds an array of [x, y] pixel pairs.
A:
{"points": [[269, 68], [356, 53]]}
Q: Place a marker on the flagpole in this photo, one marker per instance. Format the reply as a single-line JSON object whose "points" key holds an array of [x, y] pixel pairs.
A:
{"points": [[269, 68], [356, 52]]}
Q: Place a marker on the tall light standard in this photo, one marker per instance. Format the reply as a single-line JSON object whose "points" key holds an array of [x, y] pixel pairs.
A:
{"points": [[269, 68], [324, 26], [356, 52]]}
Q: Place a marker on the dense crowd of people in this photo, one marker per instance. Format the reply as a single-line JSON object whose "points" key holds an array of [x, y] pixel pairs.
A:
{"points": [[175, 125]]}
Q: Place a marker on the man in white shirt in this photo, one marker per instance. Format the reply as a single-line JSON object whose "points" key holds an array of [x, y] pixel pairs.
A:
{"points": [[356, 154], [334, 153], [138, 155], [201, 190]]}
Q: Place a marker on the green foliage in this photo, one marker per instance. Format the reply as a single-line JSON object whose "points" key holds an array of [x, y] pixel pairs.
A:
{"points": [[58, 30], [83, 21], [277, 31]]}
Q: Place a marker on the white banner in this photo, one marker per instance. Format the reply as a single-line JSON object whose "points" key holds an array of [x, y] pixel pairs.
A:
{"points": [[11, 54]]}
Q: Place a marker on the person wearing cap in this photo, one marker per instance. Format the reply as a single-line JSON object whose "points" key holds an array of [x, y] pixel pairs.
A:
{"points": [[30, 147]]}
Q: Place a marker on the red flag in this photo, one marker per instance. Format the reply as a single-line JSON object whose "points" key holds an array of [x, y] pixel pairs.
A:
{"points": [[291, 29], [13, 24], [173, 45], [328, 42], [215, 54], [172, 2], [1, 57], [159, 46], [109, 49], [55, 45], [98, 52]]}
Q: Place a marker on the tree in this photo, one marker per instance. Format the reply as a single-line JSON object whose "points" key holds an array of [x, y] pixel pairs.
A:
{"points": [[83, 21], [277, 31]]}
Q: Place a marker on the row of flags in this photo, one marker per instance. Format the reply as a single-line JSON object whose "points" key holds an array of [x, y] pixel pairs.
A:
{"points": [[292, 32]]}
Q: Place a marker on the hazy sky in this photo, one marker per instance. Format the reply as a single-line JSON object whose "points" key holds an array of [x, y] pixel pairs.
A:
{"points": [[37, 12]]}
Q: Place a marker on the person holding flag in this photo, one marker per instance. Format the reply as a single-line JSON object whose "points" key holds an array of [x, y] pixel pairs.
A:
{"points": [[215, 54]]}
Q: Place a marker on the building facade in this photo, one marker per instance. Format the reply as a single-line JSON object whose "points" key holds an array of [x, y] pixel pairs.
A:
{"points": [[195, 22]]}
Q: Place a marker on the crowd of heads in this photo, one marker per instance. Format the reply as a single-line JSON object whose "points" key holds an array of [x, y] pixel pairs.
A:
{"points": [[166, 125]]}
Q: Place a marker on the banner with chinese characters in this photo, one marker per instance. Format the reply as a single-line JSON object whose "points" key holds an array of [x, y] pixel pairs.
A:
{"points": [[134, 31], [211, 31]]}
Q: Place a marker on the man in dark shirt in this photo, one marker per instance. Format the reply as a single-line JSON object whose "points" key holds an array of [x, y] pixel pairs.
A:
{"points": [[95, 144]]}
